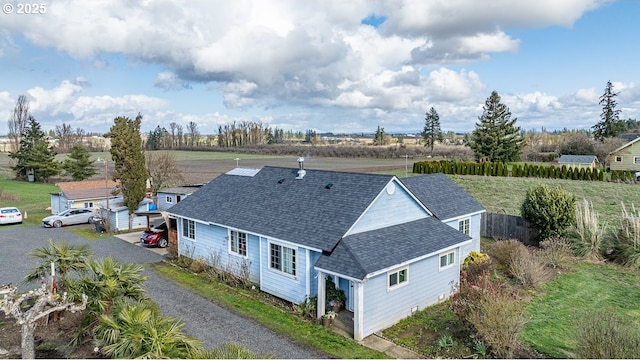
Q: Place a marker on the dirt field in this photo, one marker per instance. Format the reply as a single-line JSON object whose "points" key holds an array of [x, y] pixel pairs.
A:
{"points": [[202, 171]]}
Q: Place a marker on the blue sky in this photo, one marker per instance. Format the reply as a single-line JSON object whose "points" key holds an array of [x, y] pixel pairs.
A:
{"points": [[330, 65]]}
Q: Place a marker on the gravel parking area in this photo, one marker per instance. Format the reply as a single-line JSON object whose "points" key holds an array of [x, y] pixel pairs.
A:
{"points": [[204, 319]]}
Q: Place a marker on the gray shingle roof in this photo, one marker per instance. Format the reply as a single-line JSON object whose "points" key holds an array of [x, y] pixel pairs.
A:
{"points": [[444, 198], [273, 203], [364, 253], [576, 159]]}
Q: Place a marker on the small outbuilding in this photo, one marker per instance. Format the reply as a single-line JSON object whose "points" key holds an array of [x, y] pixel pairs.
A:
{"points": [[579, 161]]}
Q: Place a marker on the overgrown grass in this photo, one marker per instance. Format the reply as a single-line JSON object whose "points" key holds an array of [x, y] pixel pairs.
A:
{"points": [[249, 304], [560, 306]]}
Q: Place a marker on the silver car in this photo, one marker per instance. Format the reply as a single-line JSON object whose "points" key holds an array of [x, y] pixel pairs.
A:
{"points": [[70, 217], [10, 215]]}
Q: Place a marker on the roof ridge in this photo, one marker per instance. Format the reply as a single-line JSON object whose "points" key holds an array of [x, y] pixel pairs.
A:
{"points": [[351, 254], [329, 171]]}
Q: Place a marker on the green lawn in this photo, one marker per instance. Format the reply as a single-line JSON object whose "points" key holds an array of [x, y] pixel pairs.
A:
{"points": [[33, 198], [556, 310]]}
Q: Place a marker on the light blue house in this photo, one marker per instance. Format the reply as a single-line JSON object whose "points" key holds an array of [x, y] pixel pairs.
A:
{"points": [[171, 196], [393, 246]]}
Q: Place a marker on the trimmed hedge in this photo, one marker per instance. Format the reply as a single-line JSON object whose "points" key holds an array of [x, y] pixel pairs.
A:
{"points": [[518, 170]]}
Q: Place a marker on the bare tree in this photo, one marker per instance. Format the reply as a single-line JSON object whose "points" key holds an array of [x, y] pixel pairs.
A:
{"points": [[173, 126], [80, 134], [163, 170], [179, 134], [18, 121], [64, 134], [31, 306], [194, 134]]}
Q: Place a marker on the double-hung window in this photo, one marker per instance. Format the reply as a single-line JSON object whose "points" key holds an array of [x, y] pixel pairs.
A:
{"points": [[463, 226], [398, 278], [447, 260], [189, 229], [283, 259], [238, 242], [169, 200]]}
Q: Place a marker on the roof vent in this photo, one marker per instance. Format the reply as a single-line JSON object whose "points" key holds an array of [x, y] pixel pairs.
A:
{"points": [[328, 186], [301, 172], [281, 181]]}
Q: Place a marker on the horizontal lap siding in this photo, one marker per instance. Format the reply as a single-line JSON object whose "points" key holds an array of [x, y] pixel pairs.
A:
{"points": [[162, 200], [474, 233], [211, 245], [627, 154], [383, 308], [388, 210], [314, 256], [283, 285]]}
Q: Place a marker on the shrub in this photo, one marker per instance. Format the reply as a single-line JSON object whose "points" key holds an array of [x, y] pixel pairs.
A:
{"points": [[587, 236], [528, 269], [503, 250], [550, 210], [498, 320], [199, 265], [626, 242], [307, 308], [607, 336], [475, 258], [556, 252]]}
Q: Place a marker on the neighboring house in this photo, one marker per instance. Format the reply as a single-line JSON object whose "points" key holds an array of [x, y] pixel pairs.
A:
{"points": [[626, 157], [578, 161], [393, 246], [81, 194], [119, 214], [171, 196]]}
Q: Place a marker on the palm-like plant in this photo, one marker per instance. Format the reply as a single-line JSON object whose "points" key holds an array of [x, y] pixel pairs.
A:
{"points": [[230, 350], [67, 259], [138, 330], [108, 281]]}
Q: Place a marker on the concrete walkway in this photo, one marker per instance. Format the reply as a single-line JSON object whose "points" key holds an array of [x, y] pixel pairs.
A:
{"points": [[134, 238], [394, 351]]}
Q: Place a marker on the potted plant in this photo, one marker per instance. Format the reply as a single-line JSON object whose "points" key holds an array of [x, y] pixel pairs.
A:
{"points": [[336, 305], [327, 318], [335, 297]]}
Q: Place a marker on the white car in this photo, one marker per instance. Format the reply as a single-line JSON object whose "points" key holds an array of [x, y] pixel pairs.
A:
{"points": [[69, 217], [10, 215]]}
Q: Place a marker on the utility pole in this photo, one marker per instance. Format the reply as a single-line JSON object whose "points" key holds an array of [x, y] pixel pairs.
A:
{"points": [[107, 222]]}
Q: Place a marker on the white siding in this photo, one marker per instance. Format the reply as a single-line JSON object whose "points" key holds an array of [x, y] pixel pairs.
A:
{"points": [[383, 308], [389, 209]]}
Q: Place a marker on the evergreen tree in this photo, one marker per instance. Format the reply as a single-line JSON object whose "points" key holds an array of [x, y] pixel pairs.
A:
{"points": [[496, 135], [610, 124], [129, 160], [34, 156], [79, 165], [432, 131]]}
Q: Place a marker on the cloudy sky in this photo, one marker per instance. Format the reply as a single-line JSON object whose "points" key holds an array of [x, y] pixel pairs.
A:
{"points": [[338, 66]]}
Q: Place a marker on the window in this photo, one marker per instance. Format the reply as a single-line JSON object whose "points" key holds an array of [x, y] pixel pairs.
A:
{"points": [[169, 200], [88, 205], [283, 259], [398, 277], [238, 242], [189, 229], [636, 160], [463, 226], [447, 260], [618, 158]]}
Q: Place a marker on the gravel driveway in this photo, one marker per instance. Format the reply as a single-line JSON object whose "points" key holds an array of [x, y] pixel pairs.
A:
{"points": [[204, 319]]}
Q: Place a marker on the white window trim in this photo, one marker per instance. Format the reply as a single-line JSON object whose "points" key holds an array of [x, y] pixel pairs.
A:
{"points": [[399, 284], [169, 200], [615, 159], [468, 220], [448, 266], [246, 237], [182, 230], [635, 159], [278, 271]]}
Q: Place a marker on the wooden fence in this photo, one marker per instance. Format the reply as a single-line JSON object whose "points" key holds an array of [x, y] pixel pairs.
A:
{"points": [[502, 226]]}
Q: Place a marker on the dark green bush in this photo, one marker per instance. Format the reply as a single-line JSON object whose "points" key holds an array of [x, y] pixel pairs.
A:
{"points": [[550, 210]]}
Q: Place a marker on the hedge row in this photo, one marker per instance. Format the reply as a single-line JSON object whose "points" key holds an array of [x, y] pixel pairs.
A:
{"points": [[517, 170]]}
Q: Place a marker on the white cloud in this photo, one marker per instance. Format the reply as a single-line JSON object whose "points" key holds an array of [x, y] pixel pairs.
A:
{"points": [[169, 81]]}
